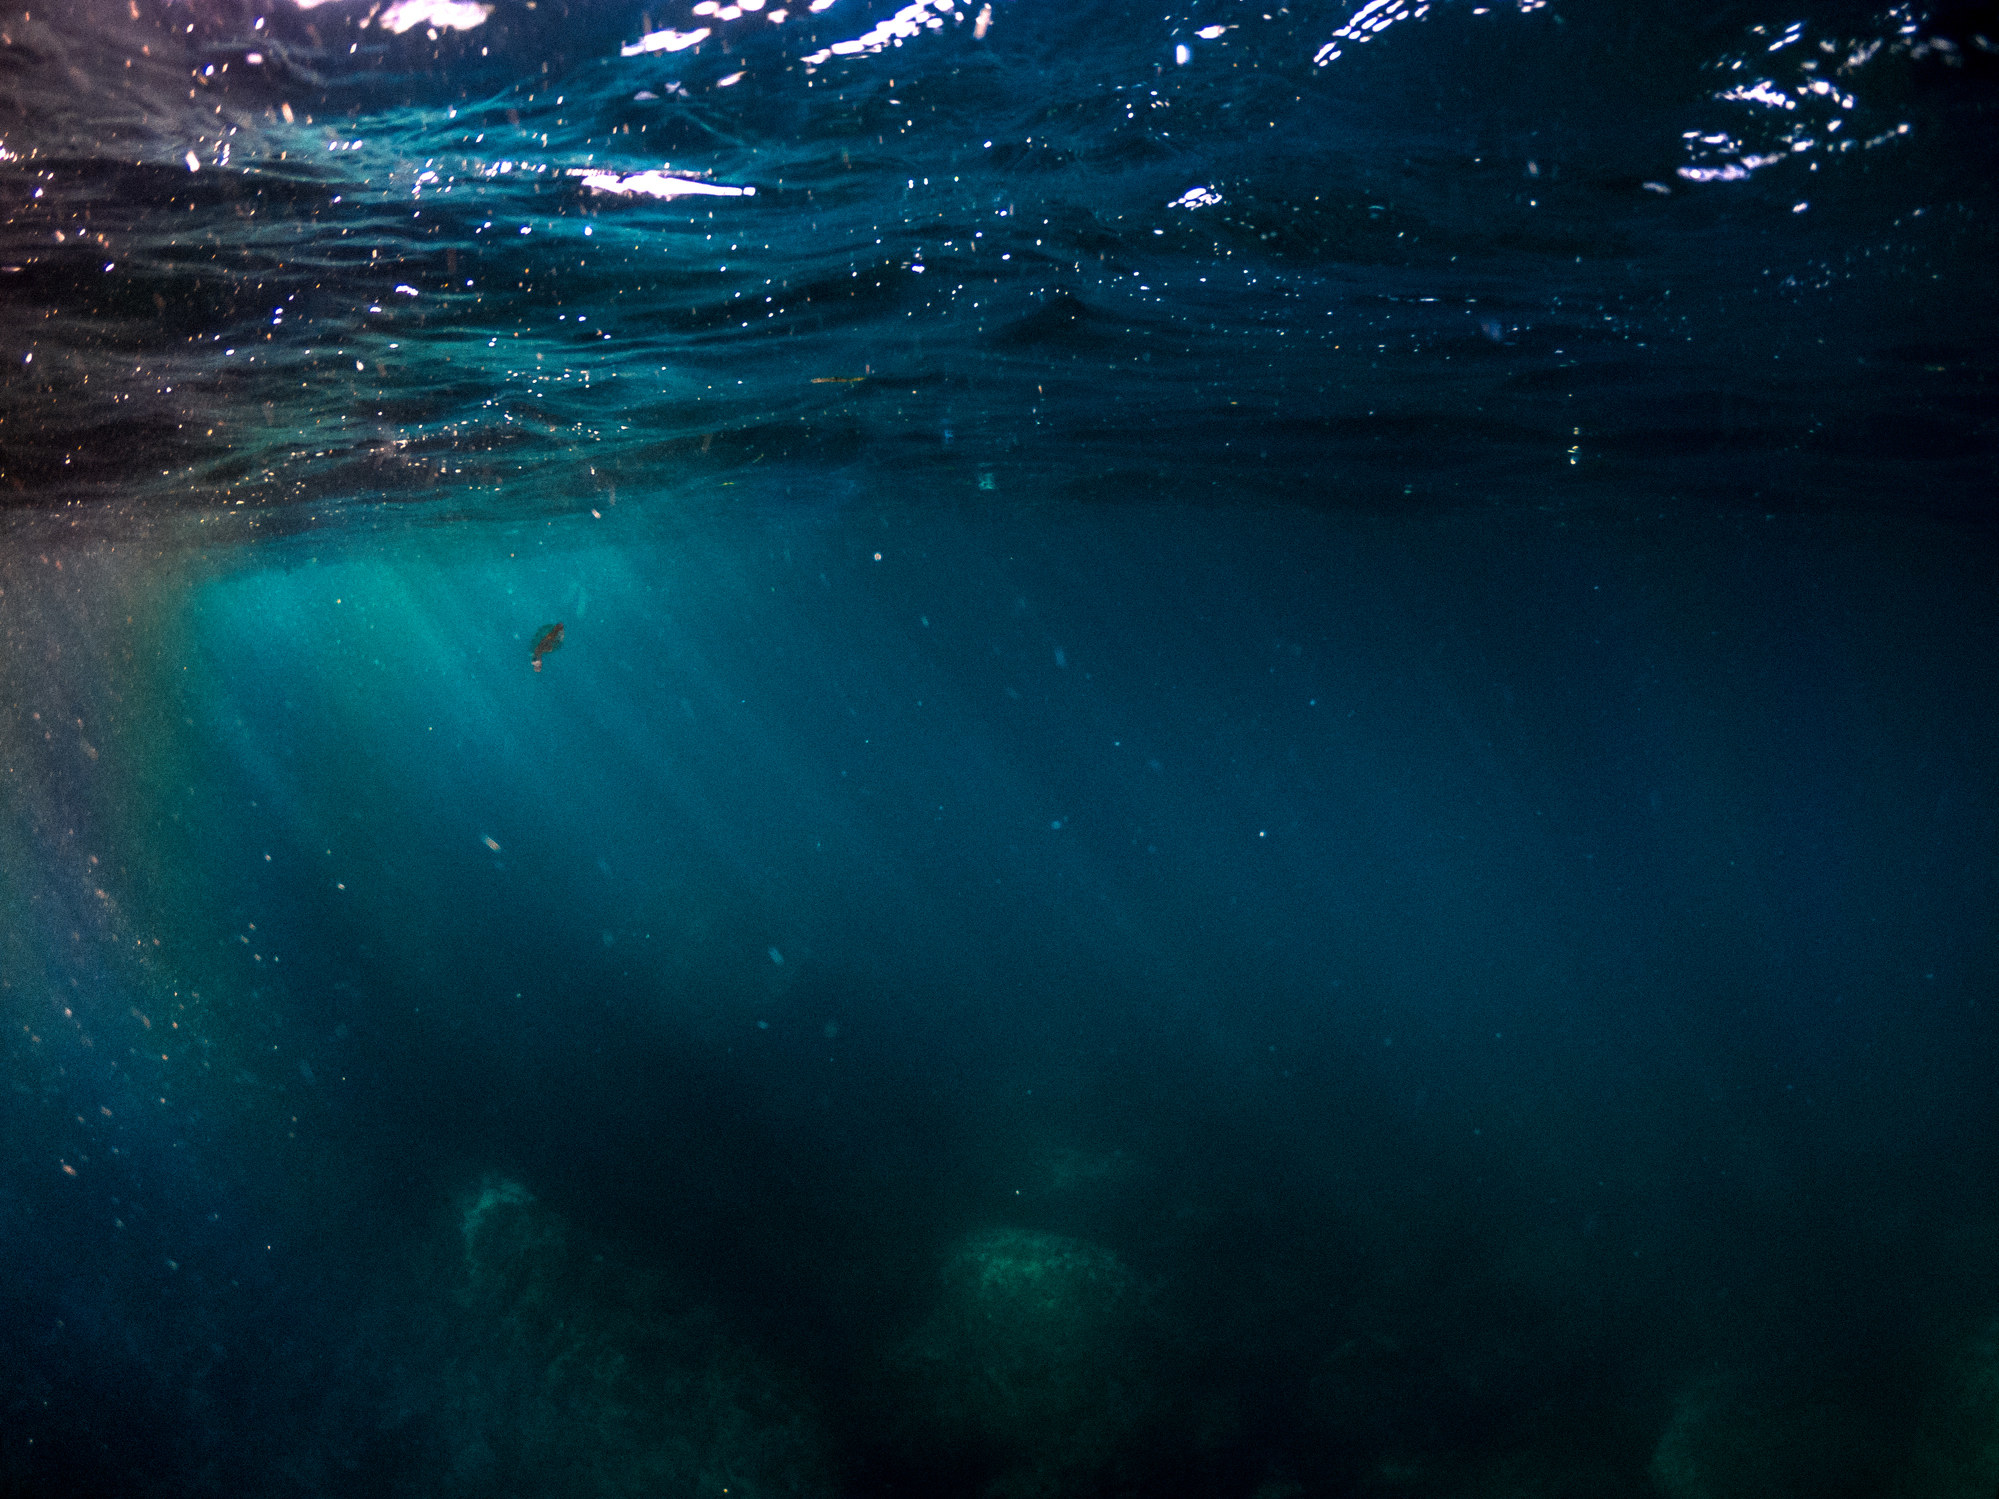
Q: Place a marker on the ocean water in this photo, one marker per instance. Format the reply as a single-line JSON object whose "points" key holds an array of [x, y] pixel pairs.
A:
{"points": [[999, 749]]}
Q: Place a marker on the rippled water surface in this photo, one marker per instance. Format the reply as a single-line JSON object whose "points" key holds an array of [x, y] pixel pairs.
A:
{"points": [[998, 749], [1419, 255]]}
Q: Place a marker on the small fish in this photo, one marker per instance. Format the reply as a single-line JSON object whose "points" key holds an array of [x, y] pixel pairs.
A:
{"points": [[550, 639]]}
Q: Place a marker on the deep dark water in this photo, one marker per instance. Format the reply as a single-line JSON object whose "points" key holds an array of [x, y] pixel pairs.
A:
{"points": [[1282, 788], [1267, 1004]]}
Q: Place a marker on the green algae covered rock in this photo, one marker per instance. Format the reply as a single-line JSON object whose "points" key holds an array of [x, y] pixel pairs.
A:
{"points": [[1745, 1434], [567, 1371], [1037, 1365], [1956, 1451]]}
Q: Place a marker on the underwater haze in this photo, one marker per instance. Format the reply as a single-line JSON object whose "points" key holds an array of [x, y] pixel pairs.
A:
{"points": [[999, 750]]}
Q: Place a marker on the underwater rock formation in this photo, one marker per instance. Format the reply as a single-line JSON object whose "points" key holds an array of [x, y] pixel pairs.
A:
{"points": [[1745, 1435], [1037, 1366], [567, 1371], [1956, 1450]]}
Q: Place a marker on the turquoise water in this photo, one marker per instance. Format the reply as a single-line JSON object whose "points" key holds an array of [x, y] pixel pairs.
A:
{"points": [[1344, 849]]}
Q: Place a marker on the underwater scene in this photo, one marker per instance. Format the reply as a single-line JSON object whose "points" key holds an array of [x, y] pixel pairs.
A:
{"points": [[999, 749]]}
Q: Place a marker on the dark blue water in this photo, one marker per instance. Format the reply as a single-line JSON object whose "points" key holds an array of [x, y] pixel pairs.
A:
{"points": [[1269, 768]]}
